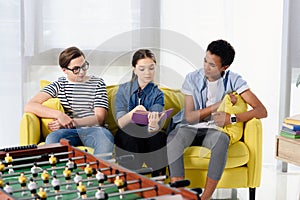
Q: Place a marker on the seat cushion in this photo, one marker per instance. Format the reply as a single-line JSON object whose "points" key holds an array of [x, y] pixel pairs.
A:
{"points": [[196, 157], [173, 99], [111, 122]]}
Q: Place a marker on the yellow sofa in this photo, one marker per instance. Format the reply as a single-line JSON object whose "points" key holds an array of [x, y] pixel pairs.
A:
{"points": [[244, 163]]}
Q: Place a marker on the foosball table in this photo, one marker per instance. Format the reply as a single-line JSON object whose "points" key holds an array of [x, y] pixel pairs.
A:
{"points": [[60, 171]]}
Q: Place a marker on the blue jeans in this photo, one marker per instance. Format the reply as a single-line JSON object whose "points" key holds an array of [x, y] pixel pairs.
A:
{"points": [[98, 138]]}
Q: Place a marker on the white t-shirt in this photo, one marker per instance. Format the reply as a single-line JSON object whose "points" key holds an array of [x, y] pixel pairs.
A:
{"points": [[212, 91]]}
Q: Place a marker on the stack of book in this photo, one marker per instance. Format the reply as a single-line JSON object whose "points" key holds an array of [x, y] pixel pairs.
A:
{"points": [[291, 127]]}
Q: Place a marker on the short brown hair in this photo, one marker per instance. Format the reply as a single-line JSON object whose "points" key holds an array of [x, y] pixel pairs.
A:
{"points": [[69, 54]]}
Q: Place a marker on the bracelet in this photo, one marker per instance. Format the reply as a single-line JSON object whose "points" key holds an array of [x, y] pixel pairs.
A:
{"points": [[151, 128]]}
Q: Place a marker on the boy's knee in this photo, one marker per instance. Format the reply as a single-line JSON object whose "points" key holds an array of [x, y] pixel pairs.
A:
{"points": [[224, 139]]}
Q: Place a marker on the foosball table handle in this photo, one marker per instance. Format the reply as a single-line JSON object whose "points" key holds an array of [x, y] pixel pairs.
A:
{"points": [[17, 148]]}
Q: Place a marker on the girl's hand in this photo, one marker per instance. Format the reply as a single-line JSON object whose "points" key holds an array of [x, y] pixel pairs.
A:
{"points": [[140, 108], [153, 120]]}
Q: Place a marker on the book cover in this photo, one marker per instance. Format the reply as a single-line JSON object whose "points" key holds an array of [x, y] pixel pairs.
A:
{"points": [[287, 135], [289, 131], [292, 127], [141, 117], [295, 119]]}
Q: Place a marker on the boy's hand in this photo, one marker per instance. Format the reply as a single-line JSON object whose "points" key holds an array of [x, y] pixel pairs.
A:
{"points": [[221, 118], [233, 98], [65, 121], [54, 125]]}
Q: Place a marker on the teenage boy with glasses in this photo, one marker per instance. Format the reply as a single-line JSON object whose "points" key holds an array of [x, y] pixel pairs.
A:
{"points": [[85, 102]]}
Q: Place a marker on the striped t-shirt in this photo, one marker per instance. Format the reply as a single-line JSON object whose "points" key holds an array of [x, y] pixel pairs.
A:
{"points": [[79, 98]]}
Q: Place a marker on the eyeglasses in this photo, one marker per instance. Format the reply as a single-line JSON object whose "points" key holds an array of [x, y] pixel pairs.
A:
{"points": [[77, 69]]}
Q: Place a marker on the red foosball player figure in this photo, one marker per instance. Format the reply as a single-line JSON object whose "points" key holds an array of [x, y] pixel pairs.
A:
{"points": [[120, 184], [32, 186], [22, 180], [82, 190], [89, 172], [8, 159], [77, 178], [8, 188], [101, 177], [42, 195], [67, 174], [2, 167], [101, 194], [45, 177], [53, 161]]}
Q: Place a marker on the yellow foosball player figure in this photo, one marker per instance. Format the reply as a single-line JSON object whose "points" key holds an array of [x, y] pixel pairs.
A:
{"points": [[82, 190], [53, 161], [22, 180], [67, 174], [8, 159], [32, 186], [121, 185], [1, 182], [42, 195], [89, 172], [2, 167], [45, 177]]}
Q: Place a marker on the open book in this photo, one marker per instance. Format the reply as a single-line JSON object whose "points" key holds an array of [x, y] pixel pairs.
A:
{"points": [[141, 117]]}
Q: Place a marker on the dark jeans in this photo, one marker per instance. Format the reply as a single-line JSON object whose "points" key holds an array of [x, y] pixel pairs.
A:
{"points": [[148, 148]]}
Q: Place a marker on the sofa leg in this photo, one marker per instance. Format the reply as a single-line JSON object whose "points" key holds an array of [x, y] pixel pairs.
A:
{"points": [[234, 194], [252, 193]]}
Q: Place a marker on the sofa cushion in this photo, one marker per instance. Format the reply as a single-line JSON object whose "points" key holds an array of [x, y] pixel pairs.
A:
{"points": [[174, 98], [111, 122], [53, 103], [234, 131], [196, 157]]}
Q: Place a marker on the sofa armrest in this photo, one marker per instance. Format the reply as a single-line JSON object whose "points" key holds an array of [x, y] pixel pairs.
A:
{"points": [[30, 132], [253, 139]]}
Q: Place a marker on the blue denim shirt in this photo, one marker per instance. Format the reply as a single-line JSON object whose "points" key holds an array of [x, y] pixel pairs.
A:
{"points": [[151, 97]]}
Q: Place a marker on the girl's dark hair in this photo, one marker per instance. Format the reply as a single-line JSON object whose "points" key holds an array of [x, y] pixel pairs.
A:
{"points": [[69, 54], [222, 49], [141, 54]]}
